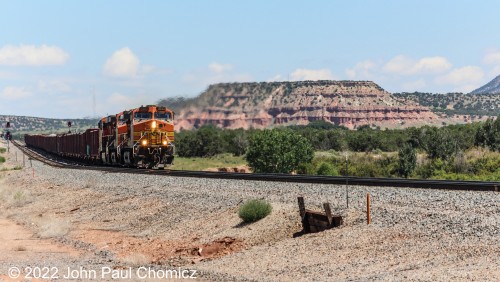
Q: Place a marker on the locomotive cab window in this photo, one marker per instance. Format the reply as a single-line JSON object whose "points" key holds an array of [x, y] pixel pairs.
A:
{"points": [[163, 116], [142, 115]]}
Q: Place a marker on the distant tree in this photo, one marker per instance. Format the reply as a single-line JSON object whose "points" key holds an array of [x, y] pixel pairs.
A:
{"points": [[278, 151], [407, 160], [440, 144], [494, 138], [235, 141], [203, 142], [488, 134]]}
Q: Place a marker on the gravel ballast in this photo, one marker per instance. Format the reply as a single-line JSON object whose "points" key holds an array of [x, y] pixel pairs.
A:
{"points": [[415, 234]]}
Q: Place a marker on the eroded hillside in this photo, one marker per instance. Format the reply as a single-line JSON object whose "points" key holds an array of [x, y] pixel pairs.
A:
{"points": [[265, 104]]}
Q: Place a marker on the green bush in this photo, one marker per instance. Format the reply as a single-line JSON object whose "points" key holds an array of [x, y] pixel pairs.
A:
{"points": [[327, 169], [2, 159], [407, 160], [3, 150], [254, 210], [278, 151]]}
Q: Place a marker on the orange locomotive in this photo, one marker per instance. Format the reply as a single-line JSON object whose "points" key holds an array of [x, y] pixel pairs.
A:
{"points": [[142, 137]]}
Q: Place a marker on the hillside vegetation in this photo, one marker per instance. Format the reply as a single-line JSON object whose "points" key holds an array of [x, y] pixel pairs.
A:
{"points": [[455, 103], [23, 124]]}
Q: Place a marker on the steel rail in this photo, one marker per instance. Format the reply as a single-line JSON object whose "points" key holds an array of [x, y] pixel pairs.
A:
{"points": [[339, 180]]}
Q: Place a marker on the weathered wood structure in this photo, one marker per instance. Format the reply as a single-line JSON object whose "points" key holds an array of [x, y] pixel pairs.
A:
{"points": [[313, 221]]}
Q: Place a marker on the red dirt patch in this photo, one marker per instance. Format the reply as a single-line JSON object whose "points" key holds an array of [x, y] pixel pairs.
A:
{"points": [[159, 250]]}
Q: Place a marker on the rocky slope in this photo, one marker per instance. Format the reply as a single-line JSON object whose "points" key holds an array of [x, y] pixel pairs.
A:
{"points": [[492, 87], [266, 104]]}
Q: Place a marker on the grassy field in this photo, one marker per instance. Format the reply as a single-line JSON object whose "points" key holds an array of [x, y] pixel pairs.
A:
{"points": [[222, 160]]}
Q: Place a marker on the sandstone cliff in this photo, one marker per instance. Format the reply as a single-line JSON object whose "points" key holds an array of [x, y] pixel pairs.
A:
{"points": [[267, 104]]}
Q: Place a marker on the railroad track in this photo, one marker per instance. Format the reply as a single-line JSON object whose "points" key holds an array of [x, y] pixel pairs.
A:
{"points": [[387, 182]]}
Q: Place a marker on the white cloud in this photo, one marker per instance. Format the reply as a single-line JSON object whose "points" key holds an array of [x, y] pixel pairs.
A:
{"points": [[31, 55], [308, 74], [492, 58], [407, 66], [463, 75], [464, 79], [15, 93], [219, 68], [432, 65], [398, 64], [362, 70], [123, 63]]}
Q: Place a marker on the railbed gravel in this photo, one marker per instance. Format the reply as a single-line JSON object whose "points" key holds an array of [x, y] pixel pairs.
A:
{"points": [[416, 234]]}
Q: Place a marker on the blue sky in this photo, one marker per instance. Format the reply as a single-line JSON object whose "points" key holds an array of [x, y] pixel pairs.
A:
{"points": [[54, 55]]}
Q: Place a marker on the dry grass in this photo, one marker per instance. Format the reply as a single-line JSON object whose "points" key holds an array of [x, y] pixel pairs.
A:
{"points": [[195, 163]]}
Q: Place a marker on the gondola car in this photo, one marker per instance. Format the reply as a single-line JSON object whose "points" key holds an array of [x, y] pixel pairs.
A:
{"points": [[141, 137]]}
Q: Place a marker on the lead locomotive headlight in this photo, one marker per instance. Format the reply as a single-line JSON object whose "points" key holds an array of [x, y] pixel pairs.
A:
{"points": [[153, 124]]}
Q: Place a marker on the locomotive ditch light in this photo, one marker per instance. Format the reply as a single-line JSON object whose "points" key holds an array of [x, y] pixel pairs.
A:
{"points": [[165, 142], [144, 142]]}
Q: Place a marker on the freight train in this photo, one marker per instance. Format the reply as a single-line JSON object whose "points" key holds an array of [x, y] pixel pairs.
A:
{"points": [[141, 137]]}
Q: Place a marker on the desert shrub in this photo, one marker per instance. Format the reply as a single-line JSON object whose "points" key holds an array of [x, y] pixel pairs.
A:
{"points": [[2, 159], [3, 150], [306, 168], [367, 165], [254, 210], [327, 169]]}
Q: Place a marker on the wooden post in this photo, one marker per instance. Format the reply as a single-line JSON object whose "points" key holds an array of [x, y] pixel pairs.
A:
{"points": [[328, 213], [302, 207], [303, 218], [367, 208]]}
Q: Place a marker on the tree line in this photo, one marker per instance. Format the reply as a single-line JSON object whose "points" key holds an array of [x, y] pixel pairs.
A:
{"points": [[270, 148]]}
